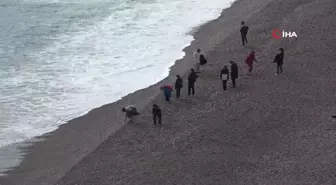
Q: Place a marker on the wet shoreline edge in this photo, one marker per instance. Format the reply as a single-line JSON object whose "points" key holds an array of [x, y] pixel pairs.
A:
{"points": [[37, 147]]}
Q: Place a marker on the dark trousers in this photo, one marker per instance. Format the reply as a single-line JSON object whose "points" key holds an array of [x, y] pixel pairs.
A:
{"points": [[224, 84], [233, 79], [250, 67], [167, 96], [157, 117], [279, 68], [178, 92], [244, 39], [191, 88]]}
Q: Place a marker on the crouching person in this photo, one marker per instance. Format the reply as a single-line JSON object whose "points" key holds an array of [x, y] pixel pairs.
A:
{"points": [[157, 114], [131, 112]]}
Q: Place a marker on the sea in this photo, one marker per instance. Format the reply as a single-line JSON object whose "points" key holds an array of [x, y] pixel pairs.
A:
{"points": [[61, 58]]}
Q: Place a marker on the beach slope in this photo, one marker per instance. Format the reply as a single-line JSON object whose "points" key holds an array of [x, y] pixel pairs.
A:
{"points": [[272, 129]]}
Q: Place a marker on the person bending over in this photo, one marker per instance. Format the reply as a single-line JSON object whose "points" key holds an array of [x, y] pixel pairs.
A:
{"points": [[249, 61], [131, 112], [167, 90]]}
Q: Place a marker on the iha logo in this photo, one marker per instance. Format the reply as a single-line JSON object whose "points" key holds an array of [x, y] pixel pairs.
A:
{"points": [[277, 34]]}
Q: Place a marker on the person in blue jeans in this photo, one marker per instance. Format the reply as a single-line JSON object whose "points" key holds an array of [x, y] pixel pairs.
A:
{"points": [[167, 90]]}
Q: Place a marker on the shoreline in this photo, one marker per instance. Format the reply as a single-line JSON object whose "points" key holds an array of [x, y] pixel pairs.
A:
{"points": [[30, 150], [27, 143], [159, 70]]}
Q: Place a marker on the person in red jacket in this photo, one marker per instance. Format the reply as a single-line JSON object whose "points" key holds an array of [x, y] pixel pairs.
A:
{"points": [[249, 61]]}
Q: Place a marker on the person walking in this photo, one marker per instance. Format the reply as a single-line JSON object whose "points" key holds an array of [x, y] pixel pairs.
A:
{"points": [[249, 61], [167, 90], [191, 82], [178, 86], [279, 60], [234, 73], [197, 56], [224, 76], [157, 114], [243, 32]]}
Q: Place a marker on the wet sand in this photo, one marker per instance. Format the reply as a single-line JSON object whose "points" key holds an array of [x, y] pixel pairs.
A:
{"points": [[271, 129]]}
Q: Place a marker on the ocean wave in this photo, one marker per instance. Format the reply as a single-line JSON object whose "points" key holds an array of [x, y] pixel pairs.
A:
{"points": [[90, 57]]}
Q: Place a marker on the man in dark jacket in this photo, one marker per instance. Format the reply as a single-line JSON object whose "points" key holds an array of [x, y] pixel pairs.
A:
{"points": [[157, 114], [234, 73], [279, 60], [243, 32], [191, 82], [178, 86]]}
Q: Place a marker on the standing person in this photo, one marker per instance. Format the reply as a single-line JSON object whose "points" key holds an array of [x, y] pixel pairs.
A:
{"points": [[249, 61], [131, 112], [157, 114], [224, 76], [191, 82], [243, 31], [197, 56], [167, 90], [234, 73], [178, 86], [279, 60]]}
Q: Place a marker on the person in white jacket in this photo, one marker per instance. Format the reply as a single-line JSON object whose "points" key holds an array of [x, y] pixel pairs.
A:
{"points": [[224, 76], [197, 56]]}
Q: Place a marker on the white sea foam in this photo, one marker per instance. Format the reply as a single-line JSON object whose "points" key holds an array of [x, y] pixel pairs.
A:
{"points": [[97, 63]]}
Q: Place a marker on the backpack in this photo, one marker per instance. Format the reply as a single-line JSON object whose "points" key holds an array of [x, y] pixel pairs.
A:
{"points": [[131, 109], [203, 60]]}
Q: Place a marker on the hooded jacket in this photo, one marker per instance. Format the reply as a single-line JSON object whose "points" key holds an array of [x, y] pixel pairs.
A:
{"points": [[279, 58], [197, 55], [249, 60], [192, 77], [156, 110], [244, 30], [224, 75], [234, 70], [178, 83]]}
